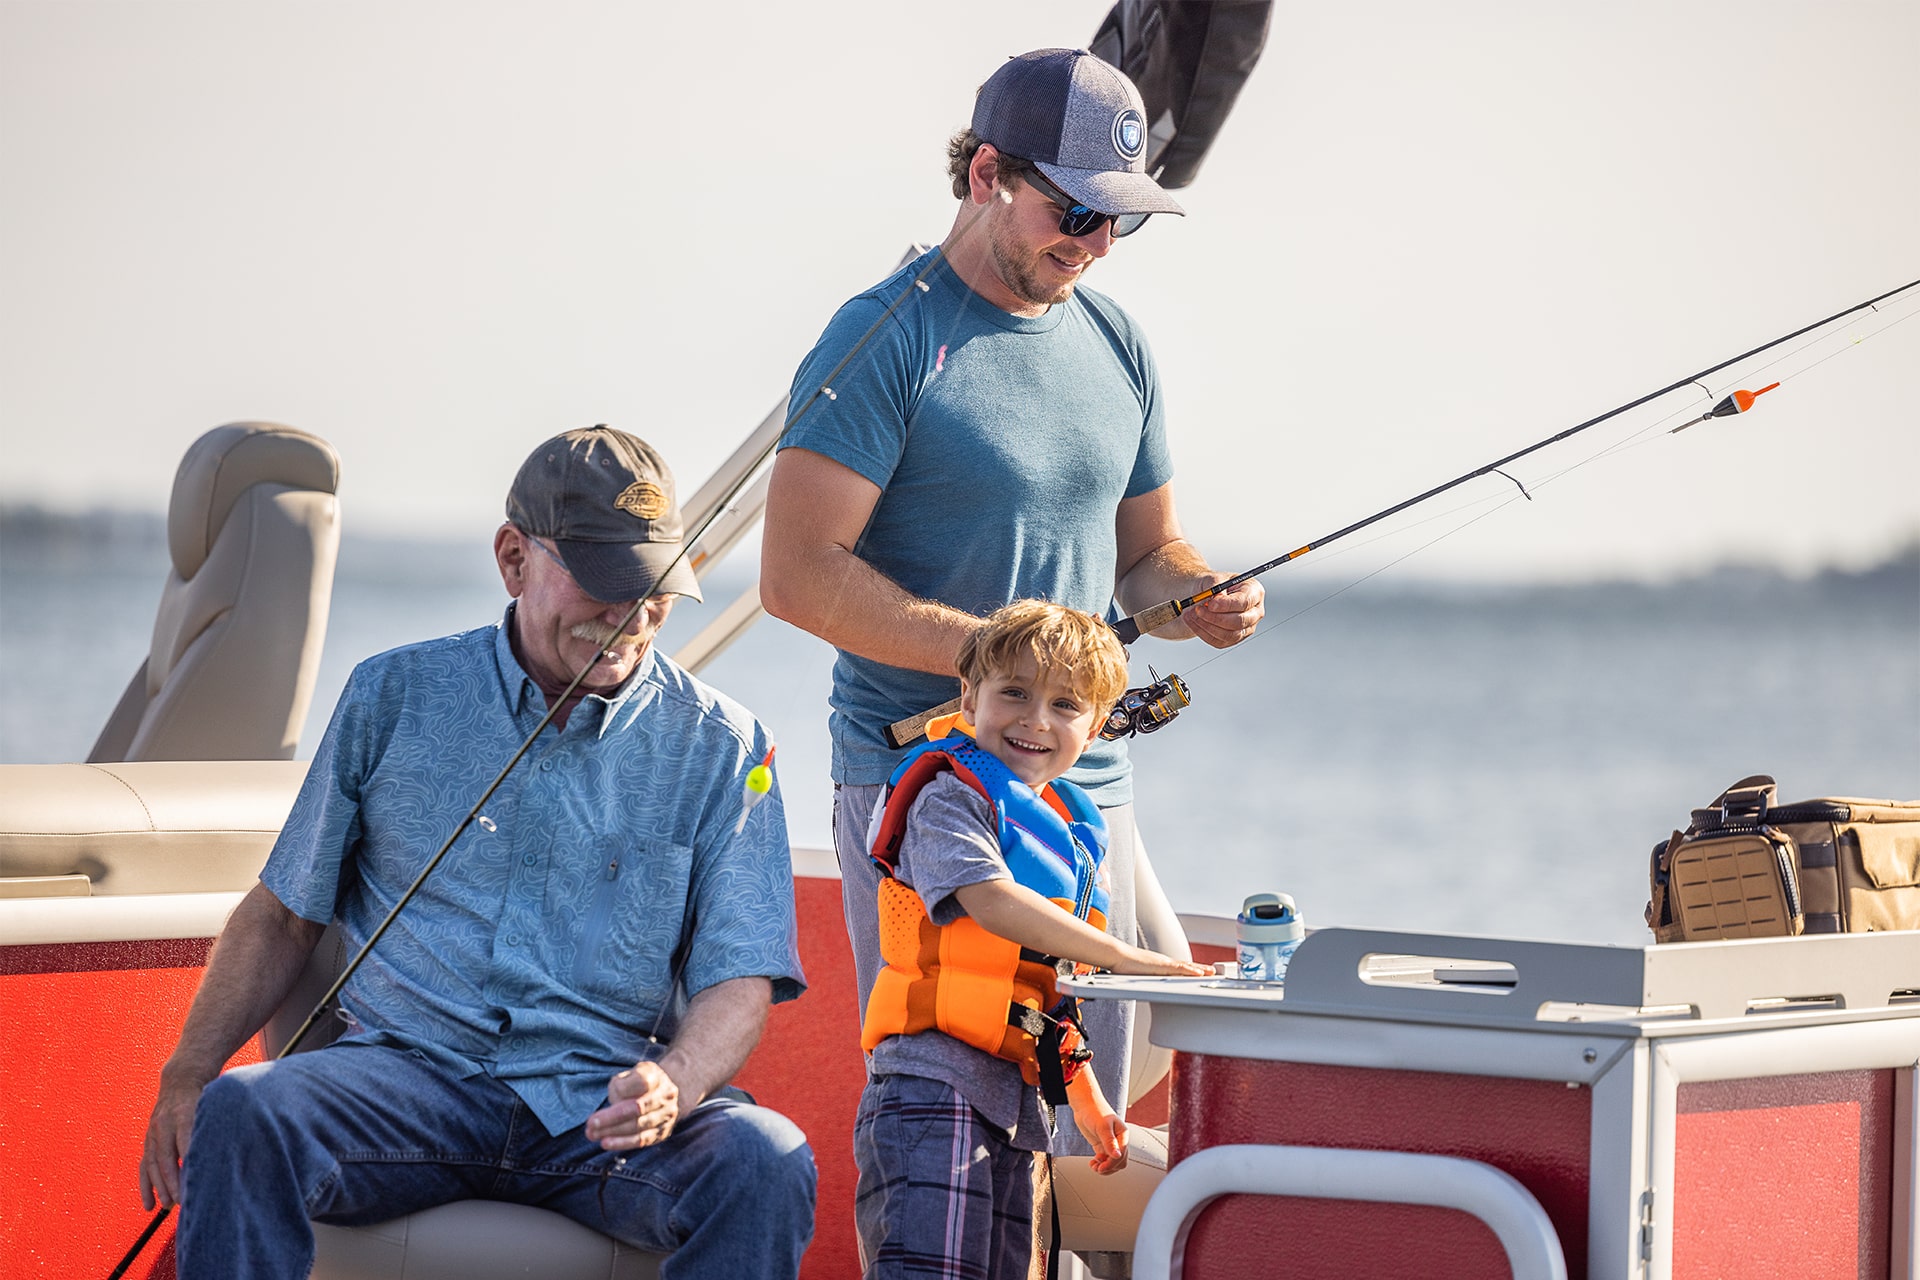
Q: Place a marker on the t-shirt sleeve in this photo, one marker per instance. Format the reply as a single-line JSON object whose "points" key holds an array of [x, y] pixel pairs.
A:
{"points": [[949, 843], [857, 416], [310, 858], [742, 891], [1152, 462]]}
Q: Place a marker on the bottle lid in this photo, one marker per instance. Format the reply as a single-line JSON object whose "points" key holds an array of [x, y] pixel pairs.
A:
{"points": [[1269, 917]]}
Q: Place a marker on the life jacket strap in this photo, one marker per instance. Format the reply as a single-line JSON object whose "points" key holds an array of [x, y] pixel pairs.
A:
{"points": [[1059, 1049]]}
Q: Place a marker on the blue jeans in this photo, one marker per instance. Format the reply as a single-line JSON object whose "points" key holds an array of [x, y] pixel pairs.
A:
{"points": [[356, 1134]]}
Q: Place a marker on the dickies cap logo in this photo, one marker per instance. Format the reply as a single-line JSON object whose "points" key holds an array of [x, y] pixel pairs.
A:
{"points": [[642, 500]]}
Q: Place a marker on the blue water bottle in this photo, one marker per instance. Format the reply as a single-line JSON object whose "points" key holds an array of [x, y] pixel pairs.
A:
{"points": [[1268, 929]]}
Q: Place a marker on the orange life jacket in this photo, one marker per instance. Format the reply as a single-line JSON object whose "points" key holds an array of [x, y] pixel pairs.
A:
{"points": [[960, 979]]}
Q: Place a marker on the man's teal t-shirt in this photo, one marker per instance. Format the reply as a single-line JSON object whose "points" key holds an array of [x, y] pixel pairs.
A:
{"points": [[1002, 446]]}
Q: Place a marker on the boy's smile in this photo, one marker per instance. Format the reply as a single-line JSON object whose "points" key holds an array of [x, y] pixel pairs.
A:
{"points": [[1031, 721]]}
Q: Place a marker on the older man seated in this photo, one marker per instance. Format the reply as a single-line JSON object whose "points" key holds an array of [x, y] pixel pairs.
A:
{"points": [[553, 1019]]}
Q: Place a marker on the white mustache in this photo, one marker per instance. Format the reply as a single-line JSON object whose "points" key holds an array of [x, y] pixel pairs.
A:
{"points": [[600, 634]]}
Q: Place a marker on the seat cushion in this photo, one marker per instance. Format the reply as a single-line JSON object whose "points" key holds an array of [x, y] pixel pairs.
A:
{"points": [[477, 1240], [1101, 1212]]}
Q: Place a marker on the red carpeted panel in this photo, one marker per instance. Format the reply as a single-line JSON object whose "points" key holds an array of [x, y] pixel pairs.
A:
{"points": [[83, 1031], [1787, 1176], [1537, 1131], [809, 1067]]}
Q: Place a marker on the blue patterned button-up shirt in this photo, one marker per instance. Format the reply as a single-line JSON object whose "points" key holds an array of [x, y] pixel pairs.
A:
{"points": [[544, 949]]}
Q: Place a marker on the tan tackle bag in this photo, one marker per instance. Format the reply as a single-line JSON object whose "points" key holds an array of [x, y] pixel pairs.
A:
{"points": [[1749, 867]]}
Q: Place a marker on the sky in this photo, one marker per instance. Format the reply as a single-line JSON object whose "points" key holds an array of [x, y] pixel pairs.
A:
{"points": [[1430, 234]]}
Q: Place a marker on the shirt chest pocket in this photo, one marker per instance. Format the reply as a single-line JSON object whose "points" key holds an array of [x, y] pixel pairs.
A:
{"points": [[632, 911]]}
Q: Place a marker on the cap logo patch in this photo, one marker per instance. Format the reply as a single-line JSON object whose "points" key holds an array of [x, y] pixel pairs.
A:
{"points": [[642, 500], [1129, 134]]}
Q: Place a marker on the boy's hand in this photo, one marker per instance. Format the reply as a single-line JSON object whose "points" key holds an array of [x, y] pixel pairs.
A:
{"points": [[1107, 1135], [1153, 964], [1104, 1131]]}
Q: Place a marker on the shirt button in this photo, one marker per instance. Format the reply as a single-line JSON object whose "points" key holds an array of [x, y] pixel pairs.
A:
{"points": [[513, 939], [546, 766], [528, 859]]}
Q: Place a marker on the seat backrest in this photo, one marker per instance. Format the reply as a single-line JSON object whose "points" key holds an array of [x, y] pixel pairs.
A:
{"points": [[253, 529], [323, 967]]}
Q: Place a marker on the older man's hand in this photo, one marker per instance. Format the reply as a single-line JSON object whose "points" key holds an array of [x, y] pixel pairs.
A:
{"points": [[168, 1130], [643, 1105]]}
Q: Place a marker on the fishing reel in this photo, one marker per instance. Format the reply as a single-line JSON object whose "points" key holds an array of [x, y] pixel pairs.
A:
{"points": [[1146, 709]]}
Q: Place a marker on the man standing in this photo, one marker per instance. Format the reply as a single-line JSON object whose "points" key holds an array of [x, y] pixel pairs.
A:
{"points": [[554, 1017], [1000, 437]]}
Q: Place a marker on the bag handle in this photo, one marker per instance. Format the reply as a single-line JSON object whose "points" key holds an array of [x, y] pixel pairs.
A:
{"points": [[1746, 802]]}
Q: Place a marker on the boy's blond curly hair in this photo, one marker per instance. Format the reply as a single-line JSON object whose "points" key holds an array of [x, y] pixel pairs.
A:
{"points": [[1055, 638]]}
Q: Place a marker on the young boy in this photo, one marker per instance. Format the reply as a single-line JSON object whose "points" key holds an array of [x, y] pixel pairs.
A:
{"points": [[992, 871]]}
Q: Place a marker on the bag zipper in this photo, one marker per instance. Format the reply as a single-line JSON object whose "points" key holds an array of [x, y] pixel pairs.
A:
{"points": [[1789, 881], [1708, 821]]}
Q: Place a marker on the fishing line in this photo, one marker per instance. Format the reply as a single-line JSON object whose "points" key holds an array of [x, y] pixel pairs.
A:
{"points": [[1863, 338], [1651, 433], [1634, 441], [1642, 436], [1499, 498], [1130, 628], [726, 501], [1505, 500], [1646, 435]]}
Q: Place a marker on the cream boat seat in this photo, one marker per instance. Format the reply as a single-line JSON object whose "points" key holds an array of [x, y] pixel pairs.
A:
{"points": [[252, 528], [464, 1240]]}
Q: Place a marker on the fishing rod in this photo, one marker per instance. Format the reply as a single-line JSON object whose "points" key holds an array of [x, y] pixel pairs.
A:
{"points": [[759, 779], [1130, 629], [1153, 706]]}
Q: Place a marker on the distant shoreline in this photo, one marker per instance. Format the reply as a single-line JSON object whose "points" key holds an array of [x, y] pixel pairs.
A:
{"points": [[132, 540]]}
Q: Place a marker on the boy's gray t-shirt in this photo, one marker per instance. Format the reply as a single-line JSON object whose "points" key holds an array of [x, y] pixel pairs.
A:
{"points": [[950, 843]]}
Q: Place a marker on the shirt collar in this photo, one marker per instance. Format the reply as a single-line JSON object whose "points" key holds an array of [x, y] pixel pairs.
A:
{"points": [[518, 688]]}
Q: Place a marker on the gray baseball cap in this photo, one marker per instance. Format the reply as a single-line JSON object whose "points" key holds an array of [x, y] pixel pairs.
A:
{"points": [[1081, 121], [605, 499]]}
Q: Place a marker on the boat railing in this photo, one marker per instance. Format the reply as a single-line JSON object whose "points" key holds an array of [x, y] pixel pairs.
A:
{"points": [[1332, 1173]]}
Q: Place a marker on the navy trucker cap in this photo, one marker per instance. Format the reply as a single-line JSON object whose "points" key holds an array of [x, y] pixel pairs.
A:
{"points": [[1081, 121]]}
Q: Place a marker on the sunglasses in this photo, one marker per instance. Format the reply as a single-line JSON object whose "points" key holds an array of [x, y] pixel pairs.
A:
{"points": [[1078, 219]]}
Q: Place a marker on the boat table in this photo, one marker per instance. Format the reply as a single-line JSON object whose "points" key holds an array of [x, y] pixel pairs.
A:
{"points": [[1420, 1105]]}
